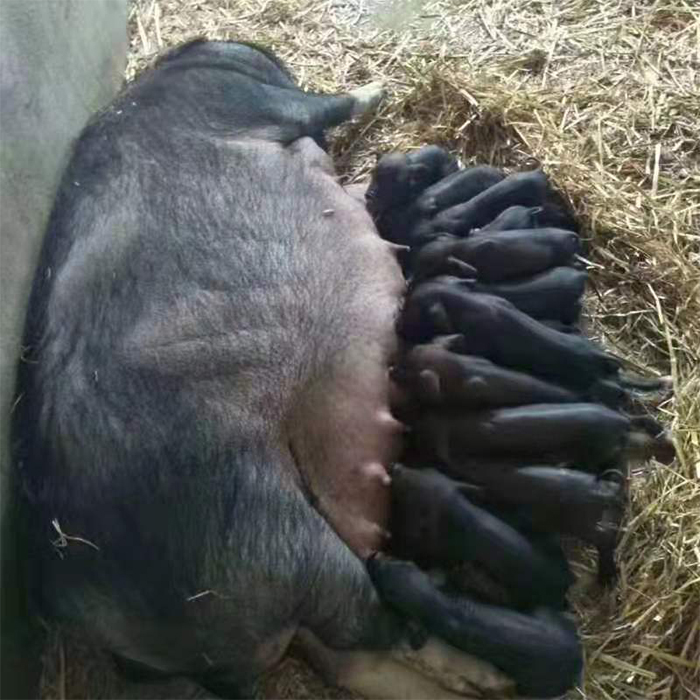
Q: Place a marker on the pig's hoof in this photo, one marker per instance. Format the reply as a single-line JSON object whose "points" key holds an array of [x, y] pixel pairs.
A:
{"points": [[367, 97]]}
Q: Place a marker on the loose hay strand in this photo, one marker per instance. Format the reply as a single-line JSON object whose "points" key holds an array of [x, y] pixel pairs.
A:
{"points": [[605, 95]]}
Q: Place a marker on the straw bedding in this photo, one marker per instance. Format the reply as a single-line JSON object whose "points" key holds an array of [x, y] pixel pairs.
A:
{"points": [[605, 95]]}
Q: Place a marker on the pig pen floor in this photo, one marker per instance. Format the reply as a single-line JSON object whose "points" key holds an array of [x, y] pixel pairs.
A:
{"points": [[605, 95]]}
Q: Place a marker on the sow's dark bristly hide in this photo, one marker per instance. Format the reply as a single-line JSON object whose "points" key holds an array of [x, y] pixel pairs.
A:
{"points": [[187, 286]]}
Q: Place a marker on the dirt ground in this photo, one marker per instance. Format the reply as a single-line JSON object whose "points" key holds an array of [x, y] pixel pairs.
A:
{"points": [[605, 95]]}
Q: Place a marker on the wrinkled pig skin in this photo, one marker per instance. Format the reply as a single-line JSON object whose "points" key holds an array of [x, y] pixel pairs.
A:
{"points": [[203, 405]]}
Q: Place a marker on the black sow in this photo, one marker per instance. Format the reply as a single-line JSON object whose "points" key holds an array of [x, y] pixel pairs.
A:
{"points": [[209, 331]]}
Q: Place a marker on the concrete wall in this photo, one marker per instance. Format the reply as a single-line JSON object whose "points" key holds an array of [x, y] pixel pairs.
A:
{"points": [[60, 60]]}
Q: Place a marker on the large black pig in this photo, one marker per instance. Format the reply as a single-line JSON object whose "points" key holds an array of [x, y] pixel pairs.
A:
{"points": [[203, 428]]}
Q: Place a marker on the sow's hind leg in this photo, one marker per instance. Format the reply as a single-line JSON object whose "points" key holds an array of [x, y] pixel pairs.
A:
{"points": [[257, 93], [306, 114]]}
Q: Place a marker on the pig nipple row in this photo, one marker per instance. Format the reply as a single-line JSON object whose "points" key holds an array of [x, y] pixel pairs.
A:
{"points": [[389, 432], [361, 499], [388, 422], [371, 539]]}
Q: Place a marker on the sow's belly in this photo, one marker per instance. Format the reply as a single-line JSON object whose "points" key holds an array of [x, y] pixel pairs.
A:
{"points": [[341, 432], [296, 347]]}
